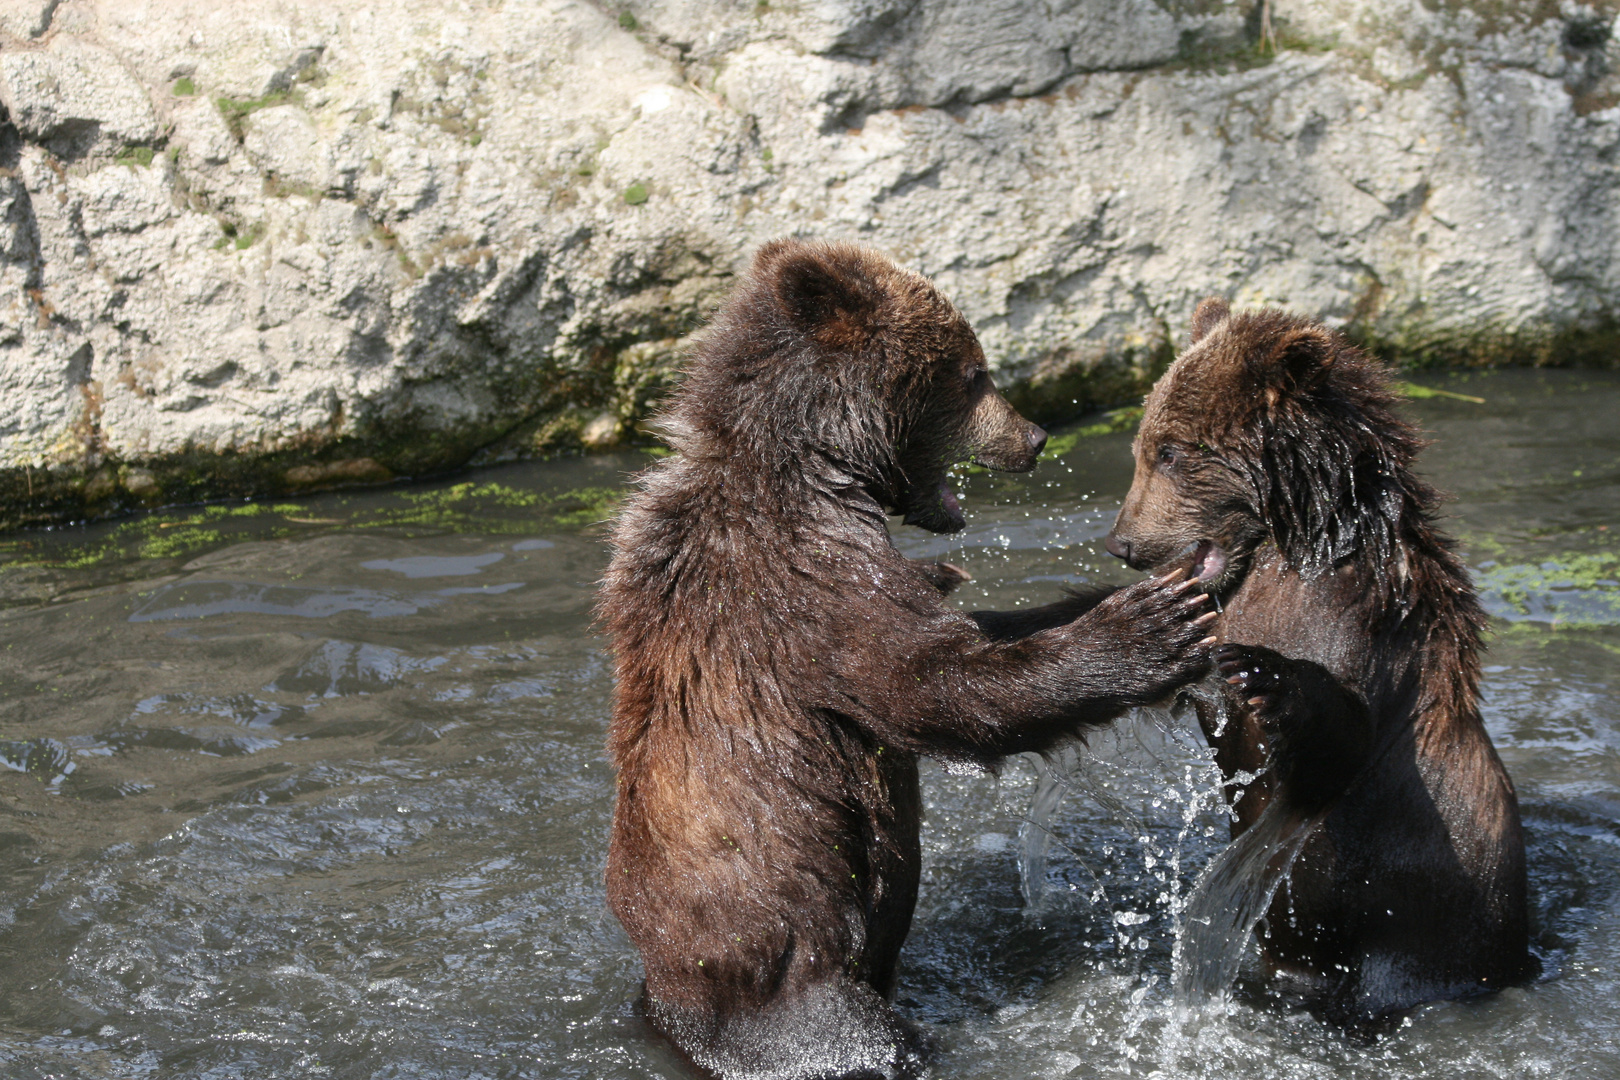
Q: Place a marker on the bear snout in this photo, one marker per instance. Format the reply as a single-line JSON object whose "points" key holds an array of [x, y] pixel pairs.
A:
{"points": [[1013, 449], [1138, 554], [1037, 439], [1118, 546], [1000, 438]]}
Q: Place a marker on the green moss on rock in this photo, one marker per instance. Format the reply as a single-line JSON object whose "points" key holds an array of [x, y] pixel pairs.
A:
{"points": [[183, 533], [1596, 344], [619, 374], [236, 110]]}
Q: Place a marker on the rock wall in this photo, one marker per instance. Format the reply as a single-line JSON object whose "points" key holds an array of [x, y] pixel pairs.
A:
{"points": [[275, 244]]}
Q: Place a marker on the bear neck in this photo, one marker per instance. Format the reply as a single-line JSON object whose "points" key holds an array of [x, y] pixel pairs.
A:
{"points": [[799, 486], [787, 465]]}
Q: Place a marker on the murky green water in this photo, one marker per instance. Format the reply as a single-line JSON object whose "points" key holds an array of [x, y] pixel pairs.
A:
{"points": [[317, 788]]}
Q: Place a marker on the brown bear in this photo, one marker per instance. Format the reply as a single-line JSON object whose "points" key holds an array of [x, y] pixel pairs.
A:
{"points": [[781, 665], [1270, 460]]}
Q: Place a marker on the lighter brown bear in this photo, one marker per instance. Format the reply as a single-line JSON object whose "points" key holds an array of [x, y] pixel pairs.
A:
{"points": [[781, 665]]}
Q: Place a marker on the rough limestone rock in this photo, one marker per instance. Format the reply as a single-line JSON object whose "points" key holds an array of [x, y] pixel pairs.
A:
{"points": [[274, 245]]}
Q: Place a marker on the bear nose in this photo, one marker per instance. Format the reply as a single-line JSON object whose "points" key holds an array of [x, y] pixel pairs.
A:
{"points": [[1037, 438], [1120, 549]]}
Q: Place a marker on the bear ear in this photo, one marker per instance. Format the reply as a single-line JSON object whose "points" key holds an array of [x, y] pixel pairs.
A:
{"points": [[827, 291], [1210, 311], [1300, 359]]}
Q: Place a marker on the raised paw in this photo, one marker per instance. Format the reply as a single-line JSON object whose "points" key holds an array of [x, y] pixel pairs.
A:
{"points": [[1162, 626], [1174, 608], [1320, 731], [1255, 675]]}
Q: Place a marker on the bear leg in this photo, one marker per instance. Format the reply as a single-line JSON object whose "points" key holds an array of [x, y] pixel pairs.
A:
{"points": [[1020, 624], [841, 1030]]}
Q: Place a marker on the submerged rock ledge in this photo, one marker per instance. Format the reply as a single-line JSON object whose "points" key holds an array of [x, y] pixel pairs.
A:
{"points": [[273, 246]]}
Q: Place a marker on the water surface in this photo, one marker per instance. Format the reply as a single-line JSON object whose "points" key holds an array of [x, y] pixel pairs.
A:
{"points": [[316, 788]]}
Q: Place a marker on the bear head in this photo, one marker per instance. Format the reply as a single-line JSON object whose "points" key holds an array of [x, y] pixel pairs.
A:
{"points": [[832, 366], [1267, 428]]}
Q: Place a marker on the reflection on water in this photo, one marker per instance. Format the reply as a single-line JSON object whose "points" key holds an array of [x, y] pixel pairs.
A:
{"points": [[317, 789]]}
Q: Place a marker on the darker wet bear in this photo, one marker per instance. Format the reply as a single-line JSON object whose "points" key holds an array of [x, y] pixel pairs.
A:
{"points": [[781, 666], [1270, 459]]}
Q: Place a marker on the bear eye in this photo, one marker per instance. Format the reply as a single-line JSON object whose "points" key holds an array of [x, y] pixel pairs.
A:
{"points": [[1167, 455]]}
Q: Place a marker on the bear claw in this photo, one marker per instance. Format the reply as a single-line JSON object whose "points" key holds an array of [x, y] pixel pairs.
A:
{"points": [[1255, 677]]}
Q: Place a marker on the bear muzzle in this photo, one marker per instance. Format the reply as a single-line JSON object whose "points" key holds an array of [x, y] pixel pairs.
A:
{"points": [[1204, 560], [1013, 451]]}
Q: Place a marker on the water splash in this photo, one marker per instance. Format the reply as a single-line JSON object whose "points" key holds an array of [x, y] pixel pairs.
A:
{"points": [[1070, 769], [1230, 898], [1214, 921], [1035, 833]]}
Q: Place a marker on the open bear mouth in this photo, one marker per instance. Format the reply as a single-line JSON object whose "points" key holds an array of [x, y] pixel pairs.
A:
{"points": [[940, 512], [1204, 560], [949, 503]]}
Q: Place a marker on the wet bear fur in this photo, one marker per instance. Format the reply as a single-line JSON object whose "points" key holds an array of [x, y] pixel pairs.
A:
{"points": [[1271, 461], [781, 665]]}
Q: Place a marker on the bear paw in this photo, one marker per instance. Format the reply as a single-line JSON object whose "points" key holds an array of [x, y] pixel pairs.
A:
{"points": [[1162, 627], [1320, 731], [1255, 674]]}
